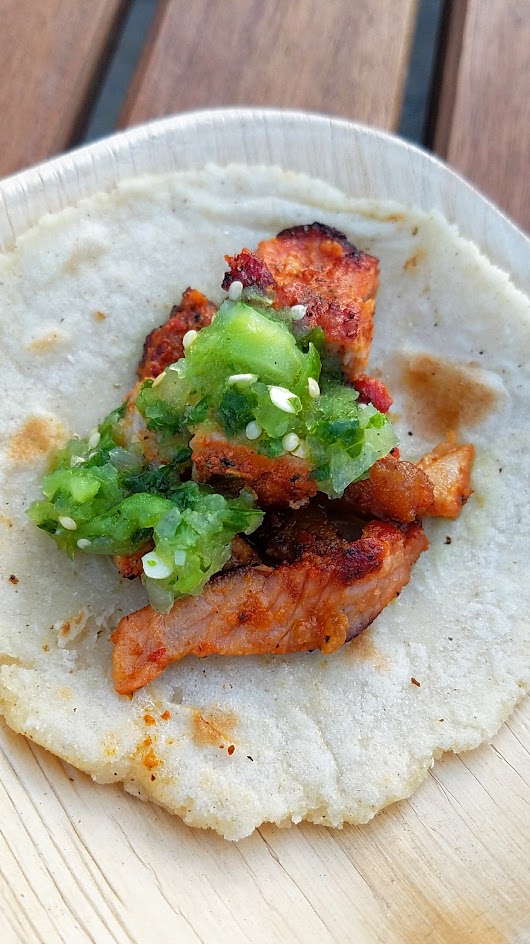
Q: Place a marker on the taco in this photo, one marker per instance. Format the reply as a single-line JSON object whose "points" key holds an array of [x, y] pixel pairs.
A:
{"points": [[231, 742]]}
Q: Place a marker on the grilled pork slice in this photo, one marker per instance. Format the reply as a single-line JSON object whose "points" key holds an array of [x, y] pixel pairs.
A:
{"points": [[319, 602], [395, 490], [286, 535], [243, 554], [438, 486], [448, 468], [315, 265], [164, 345], [276, 482]]}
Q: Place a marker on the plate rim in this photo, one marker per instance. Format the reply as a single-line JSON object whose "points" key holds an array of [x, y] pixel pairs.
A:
{"points": [[151, 147]]}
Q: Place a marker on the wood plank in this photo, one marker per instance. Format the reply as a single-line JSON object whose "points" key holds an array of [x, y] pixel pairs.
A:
{"points": [[52, 55], [86, 863], [343, 58], [483, 118]]}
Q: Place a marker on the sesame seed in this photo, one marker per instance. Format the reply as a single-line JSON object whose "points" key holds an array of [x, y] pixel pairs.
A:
{"points": [[242, 378], [189, 338], [155, 567], [159, 379], [302, 452], [281, 397], [234, 292], [84, 542], [290, 442], [94, 439], [298, 312], [314, 389], [252, 430], [67, 523]]}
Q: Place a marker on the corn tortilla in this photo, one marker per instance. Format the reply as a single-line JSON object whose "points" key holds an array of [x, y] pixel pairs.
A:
{"points": [[231, 743]]}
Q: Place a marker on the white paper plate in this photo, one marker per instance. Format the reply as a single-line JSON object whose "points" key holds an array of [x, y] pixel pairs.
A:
{"points": [[80, 862]]}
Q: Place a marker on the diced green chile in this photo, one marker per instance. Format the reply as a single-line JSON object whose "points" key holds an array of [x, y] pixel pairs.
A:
{"points": [[344, 438], [109, 499], [88, 489], [193, 539], [243, 339], [192, 529]]}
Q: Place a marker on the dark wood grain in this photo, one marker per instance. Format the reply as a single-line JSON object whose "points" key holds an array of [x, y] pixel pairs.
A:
{"points": [[483, 121], [338, 56], [52, 54]]}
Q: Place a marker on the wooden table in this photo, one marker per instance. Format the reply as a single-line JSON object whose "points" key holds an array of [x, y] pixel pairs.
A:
{"points": [[348, 58], [342, 57]]}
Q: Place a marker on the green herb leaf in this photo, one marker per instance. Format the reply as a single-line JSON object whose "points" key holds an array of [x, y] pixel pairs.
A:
{"points": [[235, 411]]}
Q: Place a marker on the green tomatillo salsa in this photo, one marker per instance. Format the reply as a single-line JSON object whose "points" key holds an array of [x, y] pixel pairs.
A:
{"points": [[254, 376]]}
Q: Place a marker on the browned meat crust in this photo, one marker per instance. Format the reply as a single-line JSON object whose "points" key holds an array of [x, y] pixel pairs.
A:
{"points": [[285, 535], [373, 391], [448, 468], [276, 482], [319, 602], [316, 266], [243, 554], [395, 491], [249, 270], [164, 345], [437, 487]]}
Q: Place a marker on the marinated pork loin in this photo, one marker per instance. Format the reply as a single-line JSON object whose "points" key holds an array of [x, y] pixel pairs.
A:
{"points": [[164, 345], [438, 486], [448, 467], [319, 602], [133, 430], [285, 536], [395, 490], [277, 483], [315, 266]]}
